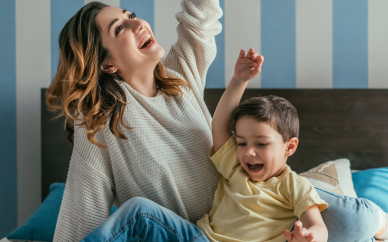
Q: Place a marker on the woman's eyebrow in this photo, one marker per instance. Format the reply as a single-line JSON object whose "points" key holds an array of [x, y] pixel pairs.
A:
{"points": [[115, 20]]}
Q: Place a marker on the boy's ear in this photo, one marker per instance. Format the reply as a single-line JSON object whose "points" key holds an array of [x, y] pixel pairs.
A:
{"points": [[292, 144]]}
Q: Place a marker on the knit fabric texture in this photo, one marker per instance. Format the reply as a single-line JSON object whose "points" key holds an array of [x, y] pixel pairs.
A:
{"points": [[165, 157]]}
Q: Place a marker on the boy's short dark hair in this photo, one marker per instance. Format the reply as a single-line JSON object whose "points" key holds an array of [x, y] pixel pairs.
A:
{"points": [[276, 111]]}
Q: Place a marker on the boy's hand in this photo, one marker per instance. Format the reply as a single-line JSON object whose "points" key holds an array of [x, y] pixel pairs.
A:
{"points": [[247, 67], [299, 234]]}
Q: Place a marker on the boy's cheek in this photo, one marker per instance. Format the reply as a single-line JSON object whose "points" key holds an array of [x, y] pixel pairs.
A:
{"points": [[240, 153], [240, 159]]}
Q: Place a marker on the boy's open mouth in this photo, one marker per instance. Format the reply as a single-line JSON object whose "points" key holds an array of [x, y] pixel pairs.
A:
{"points": [[255, 167]]}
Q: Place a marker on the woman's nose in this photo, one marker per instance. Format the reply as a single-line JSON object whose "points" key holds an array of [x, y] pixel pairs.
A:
{"points": [[137, 26]]}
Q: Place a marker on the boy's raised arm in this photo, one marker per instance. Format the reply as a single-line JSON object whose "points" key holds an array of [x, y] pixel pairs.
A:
{"points": [[247, 67]]}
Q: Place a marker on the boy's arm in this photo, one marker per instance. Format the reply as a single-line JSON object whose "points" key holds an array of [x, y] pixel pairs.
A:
{"points": [[313, 222], [310, 227], [247, 67], [223, 115]]}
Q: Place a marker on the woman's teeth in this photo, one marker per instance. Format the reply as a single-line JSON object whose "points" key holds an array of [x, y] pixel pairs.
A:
{"points": [[145, 40]]}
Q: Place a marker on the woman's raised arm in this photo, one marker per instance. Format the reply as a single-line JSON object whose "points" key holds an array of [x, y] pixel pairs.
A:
{"points": [[195, 49]]}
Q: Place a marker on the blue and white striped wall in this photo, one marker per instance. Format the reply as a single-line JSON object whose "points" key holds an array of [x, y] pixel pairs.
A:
{"points": [[306, 44]]}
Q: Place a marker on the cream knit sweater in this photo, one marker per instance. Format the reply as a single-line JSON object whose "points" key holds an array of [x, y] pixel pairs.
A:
{"points": [[165, 157]]}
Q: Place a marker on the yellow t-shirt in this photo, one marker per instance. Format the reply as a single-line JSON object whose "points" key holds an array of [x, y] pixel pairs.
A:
{"points": [[244, 210]]}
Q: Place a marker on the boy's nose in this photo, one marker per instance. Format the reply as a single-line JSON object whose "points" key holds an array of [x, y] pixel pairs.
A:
{"points": [[250, 152]]}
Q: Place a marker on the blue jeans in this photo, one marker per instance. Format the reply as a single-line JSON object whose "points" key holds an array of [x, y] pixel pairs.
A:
{"points": [[349, 218], [140, 219]]}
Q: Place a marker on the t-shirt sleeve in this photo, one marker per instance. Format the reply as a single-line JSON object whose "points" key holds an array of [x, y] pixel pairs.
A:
{"points": [[302, 194], [225, 159]]}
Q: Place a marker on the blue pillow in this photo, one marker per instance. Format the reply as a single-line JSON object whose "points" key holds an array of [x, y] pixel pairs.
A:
{"points": [[41, 225], [373, 185]]}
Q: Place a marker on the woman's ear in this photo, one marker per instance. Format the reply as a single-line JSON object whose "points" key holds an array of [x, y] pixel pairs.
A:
{"points": [[292, 144], [108, 68]]}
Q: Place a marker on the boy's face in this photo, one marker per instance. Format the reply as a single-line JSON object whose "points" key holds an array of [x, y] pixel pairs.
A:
{"points": [[261, 149]]}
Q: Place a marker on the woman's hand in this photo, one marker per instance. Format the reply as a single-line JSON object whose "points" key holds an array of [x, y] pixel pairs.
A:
{"points": [[299, 234], [247, 67]]}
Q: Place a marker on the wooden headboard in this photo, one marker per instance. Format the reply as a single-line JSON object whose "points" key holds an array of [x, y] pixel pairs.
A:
{"points": [[334, 123]]}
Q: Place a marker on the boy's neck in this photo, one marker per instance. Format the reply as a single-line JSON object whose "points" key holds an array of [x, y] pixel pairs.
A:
{"points": [[279, 172]]}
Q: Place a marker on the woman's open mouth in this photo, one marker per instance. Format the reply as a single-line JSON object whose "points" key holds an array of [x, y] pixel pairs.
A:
{"points": [[255, 167], [147, 42]]}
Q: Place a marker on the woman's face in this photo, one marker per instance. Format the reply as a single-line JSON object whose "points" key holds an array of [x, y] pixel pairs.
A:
{"points": [[123, 35]]}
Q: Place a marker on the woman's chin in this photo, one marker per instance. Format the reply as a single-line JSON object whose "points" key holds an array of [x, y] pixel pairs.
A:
{"points": [[154, 52], [156, 56], [160, 53]]}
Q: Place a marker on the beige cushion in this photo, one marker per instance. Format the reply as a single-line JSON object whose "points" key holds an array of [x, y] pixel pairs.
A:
{"points": [[334, 176]]}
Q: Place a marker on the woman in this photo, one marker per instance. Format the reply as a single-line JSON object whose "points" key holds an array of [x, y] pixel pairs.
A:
{"points": [[141, 128]]}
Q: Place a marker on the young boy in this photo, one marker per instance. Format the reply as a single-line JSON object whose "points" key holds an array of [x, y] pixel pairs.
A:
{"points": [[259, 197]]}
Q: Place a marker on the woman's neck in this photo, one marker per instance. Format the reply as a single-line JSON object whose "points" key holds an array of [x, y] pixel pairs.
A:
{"points": [[143, 84]]}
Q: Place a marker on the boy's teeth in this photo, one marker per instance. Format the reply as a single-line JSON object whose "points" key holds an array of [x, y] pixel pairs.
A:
{"points": [[255, 166]]}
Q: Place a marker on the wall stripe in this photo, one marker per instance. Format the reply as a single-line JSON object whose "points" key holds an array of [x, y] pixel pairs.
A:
{"points": [[241, 36], [278, 44], [61, 12], [350, 44], [166, 23], [8, 162], [32, 72], [114, 3], [378, 43], [144, 9], [314, 44], [215, 77]]}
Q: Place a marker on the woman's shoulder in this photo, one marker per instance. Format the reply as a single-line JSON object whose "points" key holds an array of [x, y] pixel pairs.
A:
{"points": [[97, 159], [85, 147]]}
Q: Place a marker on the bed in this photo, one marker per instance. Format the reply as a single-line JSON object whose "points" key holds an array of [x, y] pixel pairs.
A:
{"points": [[334, 123]]}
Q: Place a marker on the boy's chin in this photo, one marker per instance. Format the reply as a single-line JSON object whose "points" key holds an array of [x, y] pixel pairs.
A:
{"points": [[255, 178]]}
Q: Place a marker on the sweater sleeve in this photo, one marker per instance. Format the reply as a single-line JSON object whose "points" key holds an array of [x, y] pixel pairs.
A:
{"points": [[88, 194], [195, 49]]}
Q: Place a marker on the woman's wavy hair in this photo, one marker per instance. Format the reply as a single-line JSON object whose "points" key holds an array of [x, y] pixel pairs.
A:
{"points": [[81, 90]]}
